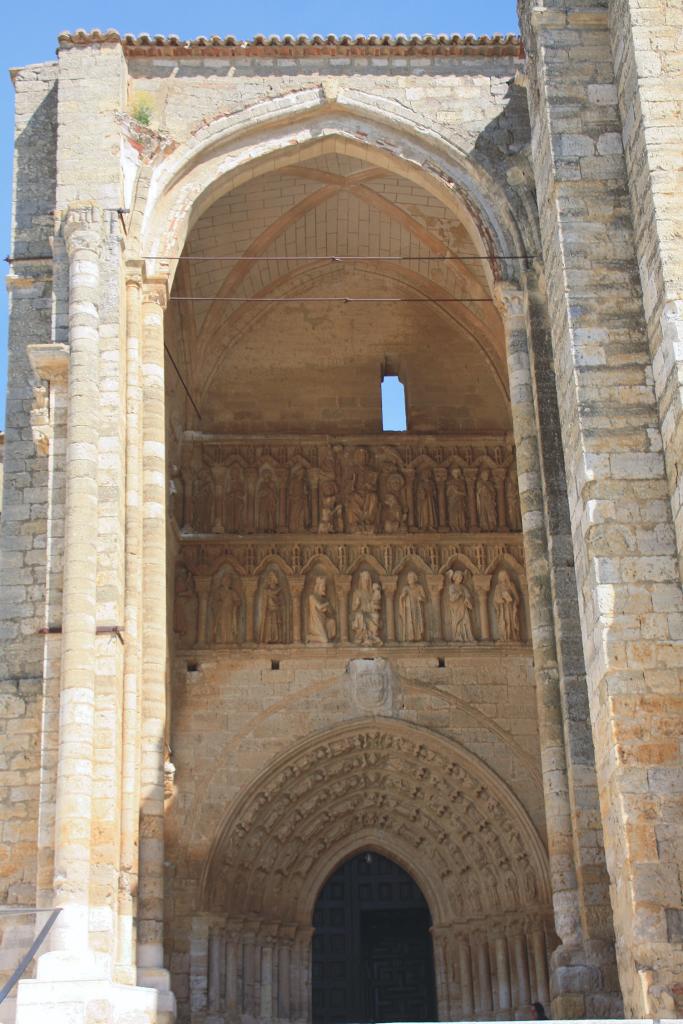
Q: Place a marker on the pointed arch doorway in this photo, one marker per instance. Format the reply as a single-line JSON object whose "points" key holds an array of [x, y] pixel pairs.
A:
{"points": [[372, 947]]}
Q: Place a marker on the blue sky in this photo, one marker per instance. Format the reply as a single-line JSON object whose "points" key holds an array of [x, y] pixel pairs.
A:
{"points": [[30, 35]]}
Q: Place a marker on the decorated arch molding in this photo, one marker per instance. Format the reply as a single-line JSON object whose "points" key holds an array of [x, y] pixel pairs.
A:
{"points": [[176, 189], [403, 791]]}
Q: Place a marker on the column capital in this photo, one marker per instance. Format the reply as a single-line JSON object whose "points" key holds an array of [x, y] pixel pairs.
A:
{"points": [[482, 583], [509, 299], [83, 228], [155, 291]]}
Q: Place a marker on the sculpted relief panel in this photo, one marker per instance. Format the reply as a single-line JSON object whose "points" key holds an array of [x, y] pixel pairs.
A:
{"points": [[325, 544], [349, 593], [453, 485]]}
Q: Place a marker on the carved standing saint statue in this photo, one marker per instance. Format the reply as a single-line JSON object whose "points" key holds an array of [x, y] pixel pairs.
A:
{"points": [[512, 500], [298, 500], [411, 609], [266, 503], [271, 611], [322, 626], [456, 498], [203, 501], [506, 607], [458, 608], [486, 501], [366, 610], [235, 501], [425, 501], [226, 605], [185, 607]]}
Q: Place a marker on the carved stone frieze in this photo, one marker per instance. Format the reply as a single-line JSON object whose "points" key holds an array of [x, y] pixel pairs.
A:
{"points": [[357, 486], [361, 592]]}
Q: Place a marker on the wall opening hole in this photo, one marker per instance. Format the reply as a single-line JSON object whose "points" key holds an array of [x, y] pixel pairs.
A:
{"points": [[441, 662], [192, 666], [393, 403], [274, 666]]}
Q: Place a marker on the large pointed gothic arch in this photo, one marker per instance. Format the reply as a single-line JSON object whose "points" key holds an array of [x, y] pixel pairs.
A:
{"points": [[173, 192]]}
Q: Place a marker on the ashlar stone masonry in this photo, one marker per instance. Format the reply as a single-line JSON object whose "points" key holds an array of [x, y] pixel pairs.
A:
{"points": [[247, 633]]}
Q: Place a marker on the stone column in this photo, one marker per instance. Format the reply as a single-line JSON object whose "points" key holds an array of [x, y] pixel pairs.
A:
{"points": [[409, 475], [624, 548], [151, 971], [296, 586], [440, 475], [75, 767], [130, 767], [281, 475], [484, 977], [542, 994], [251, 477], [521, 966], [499, 479], [284, 1007], [435, 587], [343, 586], [466, 986], [250, 587], [233, 948], [314, 483], [203, 588], [218, 476], [482, 586], [471, 483], [216, 959], [503, 974], [389, 587]]}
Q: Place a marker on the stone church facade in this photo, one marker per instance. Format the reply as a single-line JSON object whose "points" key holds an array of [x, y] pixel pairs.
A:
{"points": [[252, 641]]}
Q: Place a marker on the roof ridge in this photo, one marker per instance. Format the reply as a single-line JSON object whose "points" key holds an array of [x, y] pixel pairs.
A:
{"points": [[81, 37]]}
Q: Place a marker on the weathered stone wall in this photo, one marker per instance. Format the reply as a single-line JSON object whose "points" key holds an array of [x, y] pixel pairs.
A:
{"points": [[456, 141], [646, 50], [623, 538], [234, 713]]}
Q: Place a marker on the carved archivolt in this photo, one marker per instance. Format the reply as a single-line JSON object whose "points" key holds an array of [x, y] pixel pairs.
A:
{"points": [[457, 485], [350, 592], [465, 837]]}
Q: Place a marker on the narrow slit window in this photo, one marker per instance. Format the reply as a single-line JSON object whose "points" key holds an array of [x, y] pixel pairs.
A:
{"points": [[393, 404]]}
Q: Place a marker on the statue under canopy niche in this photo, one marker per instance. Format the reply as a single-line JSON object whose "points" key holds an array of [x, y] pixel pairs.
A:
{"points": [[514, 512], [426, 500], [298, 499], [266, 503], [321, 626], [271, 611], [226, 607], [487, 509], [411, 609], [185, 607], [506, 607], [456, 500], [366, 611], [235, 501], [458, 607]]}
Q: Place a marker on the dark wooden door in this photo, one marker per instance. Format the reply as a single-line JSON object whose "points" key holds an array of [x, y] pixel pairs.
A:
{"points": [[372, 950]]}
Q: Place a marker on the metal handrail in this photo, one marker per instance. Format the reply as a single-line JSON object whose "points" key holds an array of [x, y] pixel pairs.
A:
{"points": [[37, 942]]}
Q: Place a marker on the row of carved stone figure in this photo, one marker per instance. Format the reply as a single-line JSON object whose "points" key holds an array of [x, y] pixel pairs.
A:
{"points": [[317, 610], [362, 500]]}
